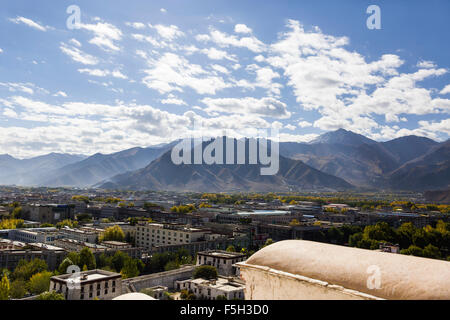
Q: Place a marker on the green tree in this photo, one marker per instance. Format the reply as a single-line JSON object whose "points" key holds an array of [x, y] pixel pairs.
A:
{"points": [[62, 269], [40, 282], [268, 242], [205, 272], [171, 265], [86, 258], [231, 248], [52, 295], [25, 269], [130, 269], [18, 289], [4, 288], [114, 233], [432, 252]]}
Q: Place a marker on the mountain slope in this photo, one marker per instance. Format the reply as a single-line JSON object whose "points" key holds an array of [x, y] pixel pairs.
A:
{"points": [[428, 172], [24, 172], [408, 148], [343, 137], [100, 167], [163, 174]]}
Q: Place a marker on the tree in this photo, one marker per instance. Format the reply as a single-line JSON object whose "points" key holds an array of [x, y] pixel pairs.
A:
{"points": [[4, 288], [171, 265], [231, 248], [114, 233], [118, 260], [432, 252], [221, 297], [67, 262], [268, 242], [86, 258], [205, 272], [18, 289], [413, 250], [25, 269], [40, 282], [130, 269], [52, 295]]}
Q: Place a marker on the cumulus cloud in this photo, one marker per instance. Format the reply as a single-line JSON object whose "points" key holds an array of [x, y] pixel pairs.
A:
{"points": [[242, 28]]}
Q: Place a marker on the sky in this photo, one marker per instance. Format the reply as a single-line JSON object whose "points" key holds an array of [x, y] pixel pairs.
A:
{"points": [[140, 73]]}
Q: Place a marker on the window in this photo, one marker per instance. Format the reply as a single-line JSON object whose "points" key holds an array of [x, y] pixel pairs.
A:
{"points": [[106, 291], [82, 297], [113, 290], [98, 293]]}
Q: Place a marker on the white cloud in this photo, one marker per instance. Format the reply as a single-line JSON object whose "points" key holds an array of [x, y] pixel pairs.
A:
{"points": [[60, 94], [266, 107], [173, 72], [29, 23], [220, 68], [426, 64], [135, 25], [75, 42], [242, 28], [173, 100], [225, 40], [170, 32], [163, 10], [103, 73], [77, 55], [1, 50], [445, 90], [105, 35], [215, 54], [304, 124]]}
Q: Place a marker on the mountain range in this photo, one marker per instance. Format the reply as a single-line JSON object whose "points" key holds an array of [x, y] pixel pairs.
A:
{"points": [[334, 161]]}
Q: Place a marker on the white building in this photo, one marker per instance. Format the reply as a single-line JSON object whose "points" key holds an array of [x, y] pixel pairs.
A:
{"points": [[88, 285], [223, 260], [211, 289]]}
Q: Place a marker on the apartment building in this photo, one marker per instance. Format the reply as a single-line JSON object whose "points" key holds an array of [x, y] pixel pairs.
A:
{"points": [[49, 213], [31, 236], [88, 285], [83, 234], [223, 261], [157, 234]]}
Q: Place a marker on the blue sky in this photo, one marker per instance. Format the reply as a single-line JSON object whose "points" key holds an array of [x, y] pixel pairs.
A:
{"points": [[138, 73]]}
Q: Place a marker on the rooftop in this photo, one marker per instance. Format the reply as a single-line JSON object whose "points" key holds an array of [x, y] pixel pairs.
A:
{"points": [[298, 269]]}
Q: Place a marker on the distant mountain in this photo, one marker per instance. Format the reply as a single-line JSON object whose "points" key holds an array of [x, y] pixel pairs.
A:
{"points": [[343, 137], [408, 148], [163, 174], [430, 171], [438, 196], [102, 166], [356, 159], [24, 171]]}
